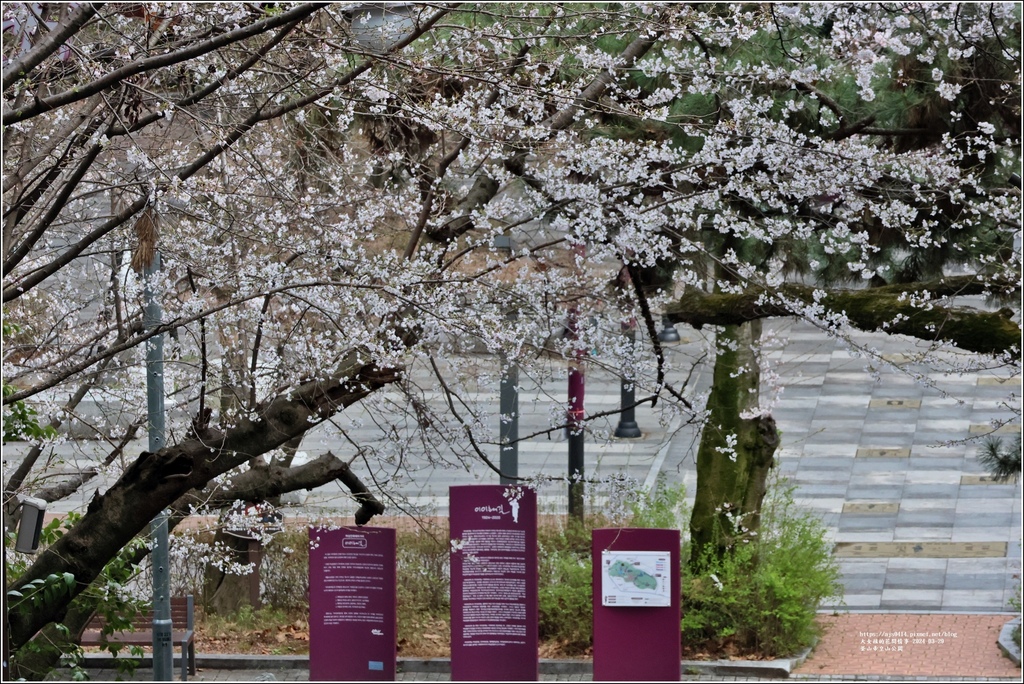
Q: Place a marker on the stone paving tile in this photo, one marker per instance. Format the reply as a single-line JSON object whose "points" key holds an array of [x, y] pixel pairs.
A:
{"points": [[926, 518], [875, 492], [913, 579], [850, 523], [931, 491]]}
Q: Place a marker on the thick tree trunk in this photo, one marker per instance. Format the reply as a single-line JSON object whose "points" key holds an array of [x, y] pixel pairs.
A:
{"points": [[735, 454], [156, 480], [225, 593], [36, 663]]}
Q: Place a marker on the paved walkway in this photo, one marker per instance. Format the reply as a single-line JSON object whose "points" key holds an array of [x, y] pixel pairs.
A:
{"points": [[906, 645], [854, 646]]}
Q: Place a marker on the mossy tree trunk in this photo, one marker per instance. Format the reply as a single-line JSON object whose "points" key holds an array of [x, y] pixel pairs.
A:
{"points": [[735, 453]]}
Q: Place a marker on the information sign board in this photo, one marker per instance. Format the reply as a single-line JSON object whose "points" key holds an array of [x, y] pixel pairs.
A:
{"points": [[353, 619], [493, 530], [637, 579], [638, 568]]}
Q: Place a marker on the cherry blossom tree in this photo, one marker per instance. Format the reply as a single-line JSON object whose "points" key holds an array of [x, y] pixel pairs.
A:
{"points": [[324, 186]]}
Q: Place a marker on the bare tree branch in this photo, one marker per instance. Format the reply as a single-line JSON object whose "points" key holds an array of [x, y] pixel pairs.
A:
{"points": [[83, 91], [888, 308], [20, 69]]}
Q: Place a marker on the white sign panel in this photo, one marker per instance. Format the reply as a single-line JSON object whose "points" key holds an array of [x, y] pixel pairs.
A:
{"points": [[640, 579]]}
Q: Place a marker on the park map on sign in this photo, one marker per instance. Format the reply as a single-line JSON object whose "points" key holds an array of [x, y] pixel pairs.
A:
{"points": [[635, 578]]}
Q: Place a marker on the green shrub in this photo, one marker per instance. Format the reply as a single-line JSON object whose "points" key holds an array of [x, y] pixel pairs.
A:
{"points": [[764, 595], [424, 570], [664, 508], [424, 583], [284, 572], [564, 588]]}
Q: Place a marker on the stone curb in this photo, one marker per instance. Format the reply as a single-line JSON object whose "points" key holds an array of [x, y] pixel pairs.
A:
{"points": [[779, 668], [775, 669], [1006, 643]]}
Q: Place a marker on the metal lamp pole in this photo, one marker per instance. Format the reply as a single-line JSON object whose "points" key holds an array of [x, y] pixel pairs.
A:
{"points": [[162, 651], [627, 427], [508, 434], [508, 429], [575, 420]]}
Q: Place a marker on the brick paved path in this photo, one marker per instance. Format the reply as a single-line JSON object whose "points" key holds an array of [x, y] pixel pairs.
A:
{"points": [[948, 646]]}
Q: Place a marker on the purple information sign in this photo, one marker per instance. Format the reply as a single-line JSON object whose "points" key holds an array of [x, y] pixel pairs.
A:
{"points": [[353, 618], [636, 605], [493, 532]]}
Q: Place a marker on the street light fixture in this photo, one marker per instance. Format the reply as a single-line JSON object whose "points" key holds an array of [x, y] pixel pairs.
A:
{"points": [[668, 330]]}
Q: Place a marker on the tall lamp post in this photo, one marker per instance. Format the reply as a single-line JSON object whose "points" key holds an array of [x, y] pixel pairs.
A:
{"points": [[162, 650], [508, 431], [575, 420]]}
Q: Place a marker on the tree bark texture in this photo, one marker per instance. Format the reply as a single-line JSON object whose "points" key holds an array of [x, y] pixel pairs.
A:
{"points": [[887, 309], [35, 664], [732, 479], [226, 593]]}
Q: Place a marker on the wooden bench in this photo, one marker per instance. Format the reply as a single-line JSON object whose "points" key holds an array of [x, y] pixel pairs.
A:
{"points": [[182, 632]]}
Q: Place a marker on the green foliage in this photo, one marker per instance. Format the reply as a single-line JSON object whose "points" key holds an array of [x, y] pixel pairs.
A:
{"points": [[663, 508], [20, 421], [564, 589], [40, 592], [423, 571], [763, 595], [1002, 463], [109, 593]]}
